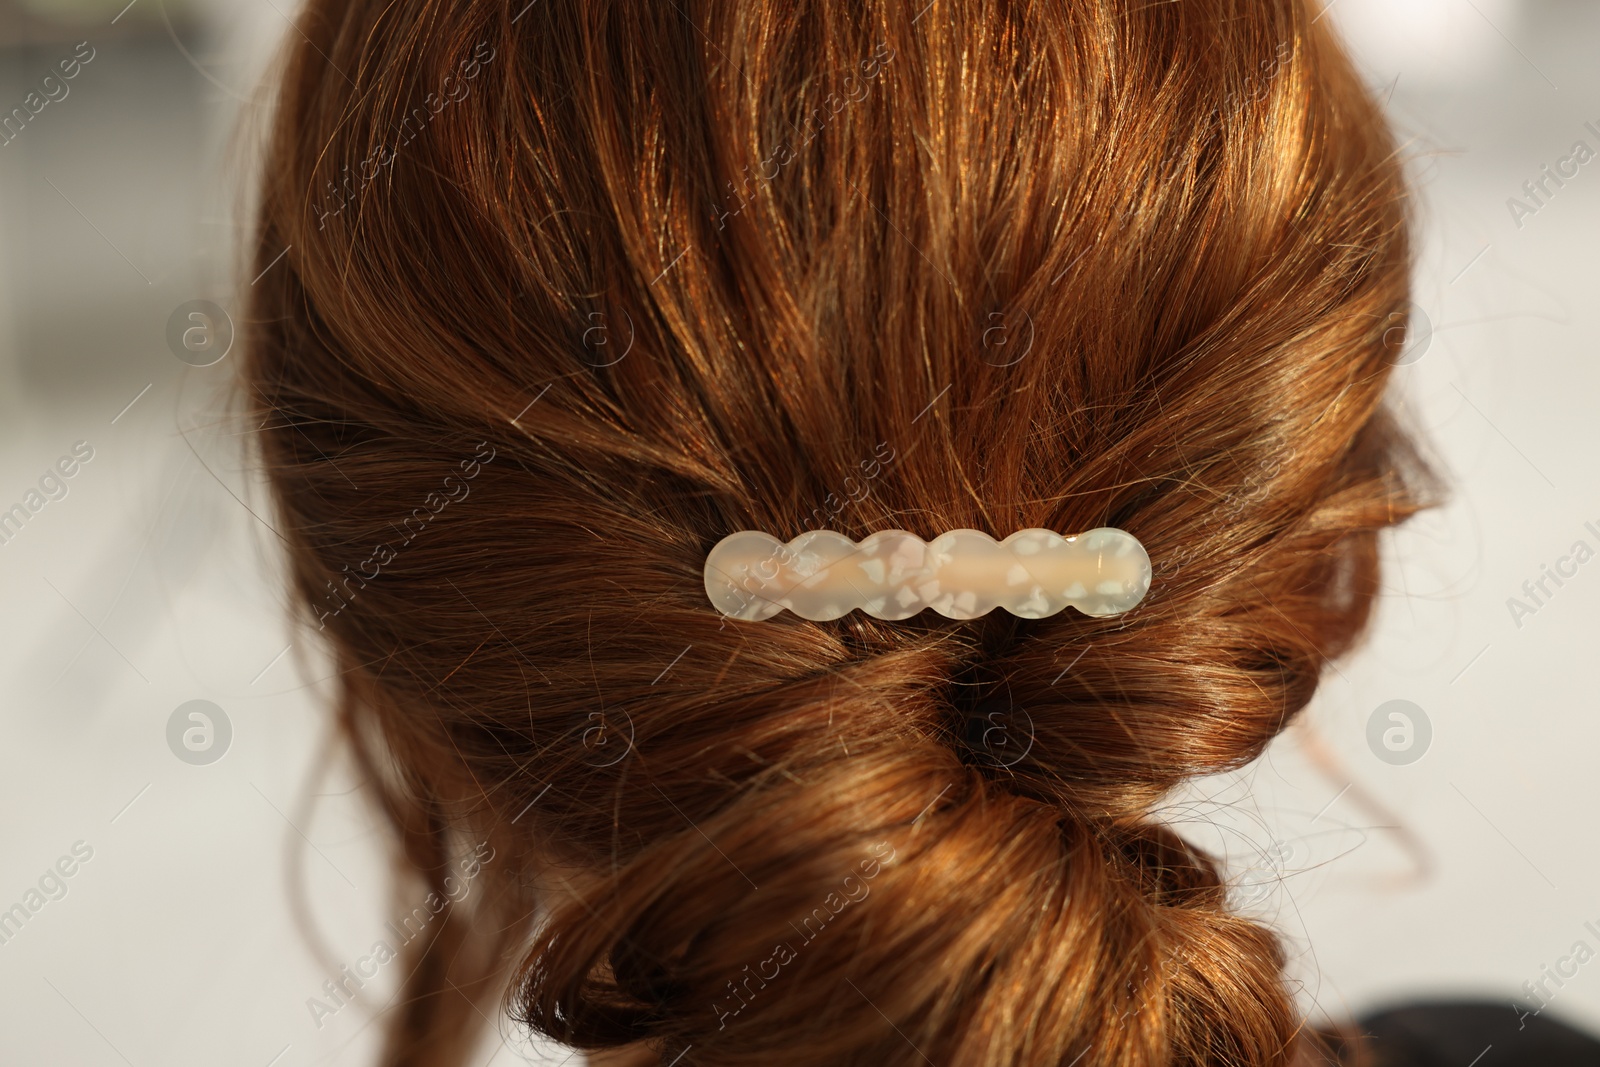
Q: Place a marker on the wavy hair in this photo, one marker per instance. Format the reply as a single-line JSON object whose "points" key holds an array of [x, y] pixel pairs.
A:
{"points": [[573, 290]]}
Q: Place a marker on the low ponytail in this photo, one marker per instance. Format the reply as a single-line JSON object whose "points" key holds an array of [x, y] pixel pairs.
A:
{"points": [[856, 842]]}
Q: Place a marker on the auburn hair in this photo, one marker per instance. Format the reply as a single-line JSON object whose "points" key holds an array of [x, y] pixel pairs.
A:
{"points": [[553, 296]]}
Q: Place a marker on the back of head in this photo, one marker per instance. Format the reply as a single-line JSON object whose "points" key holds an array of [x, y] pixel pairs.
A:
{"points": [[575, 290]]}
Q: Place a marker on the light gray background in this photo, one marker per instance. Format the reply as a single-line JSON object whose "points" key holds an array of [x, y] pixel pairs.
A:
{"points": [[151, 584]]}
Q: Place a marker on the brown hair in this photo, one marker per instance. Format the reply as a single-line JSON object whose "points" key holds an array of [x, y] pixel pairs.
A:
{"points": [[573, 291]]}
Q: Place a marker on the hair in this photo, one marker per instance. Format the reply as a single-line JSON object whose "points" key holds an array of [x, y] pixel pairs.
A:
{"points": [[553, 297]]}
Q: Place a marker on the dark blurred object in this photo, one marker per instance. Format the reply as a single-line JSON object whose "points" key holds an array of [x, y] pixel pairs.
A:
{"points": [[20, 26], [26, 23], [1465, 1034]]}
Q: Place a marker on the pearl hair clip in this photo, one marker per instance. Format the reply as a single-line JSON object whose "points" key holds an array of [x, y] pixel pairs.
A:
{"points": [[963, 574]]}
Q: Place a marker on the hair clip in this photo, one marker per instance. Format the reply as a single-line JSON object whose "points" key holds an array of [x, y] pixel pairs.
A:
{"points": [[963, 574]]}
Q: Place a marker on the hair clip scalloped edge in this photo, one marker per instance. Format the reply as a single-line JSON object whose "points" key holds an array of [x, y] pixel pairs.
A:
{"points": [[893, 574]]}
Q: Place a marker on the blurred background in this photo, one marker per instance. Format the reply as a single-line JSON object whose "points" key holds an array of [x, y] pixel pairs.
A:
{"points": [[192, 865]]}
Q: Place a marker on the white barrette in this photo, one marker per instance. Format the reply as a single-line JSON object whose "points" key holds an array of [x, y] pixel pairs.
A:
{"points": [[893, 574]]}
